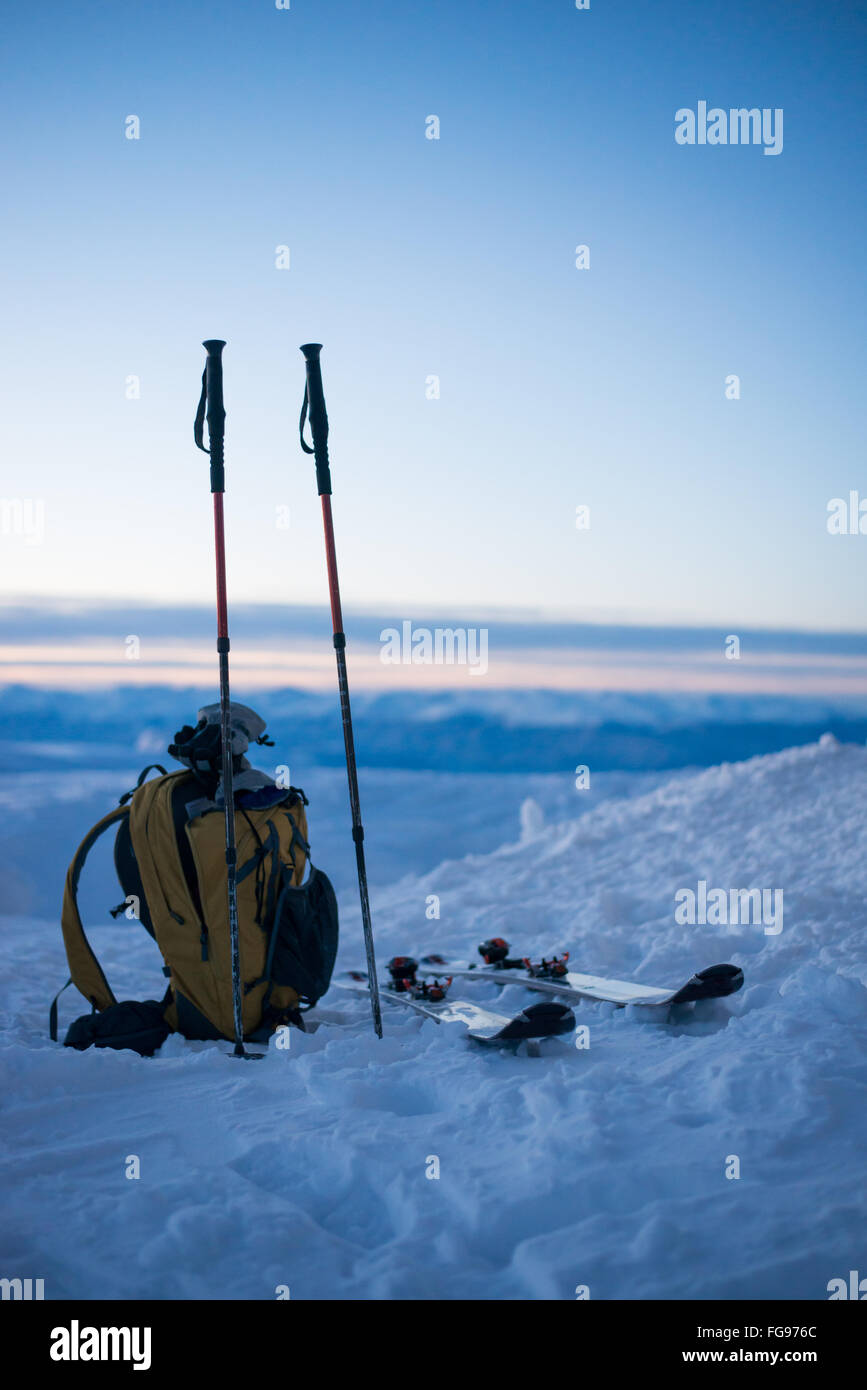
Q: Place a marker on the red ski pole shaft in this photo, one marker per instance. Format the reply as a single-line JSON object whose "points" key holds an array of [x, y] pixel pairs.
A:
{"points": [[331, 563], [220, 552]]}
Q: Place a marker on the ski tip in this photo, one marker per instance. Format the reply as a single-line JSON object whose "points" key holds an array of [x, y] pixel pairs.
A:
{"points": [[728, 979], [544, 1020], [714, 983]]}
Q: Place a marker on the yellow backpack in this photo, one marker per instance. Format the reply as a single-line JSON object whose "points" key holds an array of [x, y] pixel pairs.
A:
{"points": [[170, 854]]}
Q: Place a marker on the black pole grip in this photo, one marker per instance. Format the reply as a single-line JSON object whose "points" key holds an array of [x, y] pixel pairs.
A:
{"points": [[216, 415], [314, 407]]}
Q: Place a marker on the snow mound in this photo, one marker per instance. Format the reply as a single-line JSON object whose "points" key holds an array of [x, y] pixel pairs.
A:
{"points": [[421, 1167]]}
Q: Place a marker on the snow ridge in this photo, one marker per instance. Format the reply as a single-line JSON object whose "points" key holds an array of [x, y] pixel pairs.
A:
{"points": [[603, 1167]]}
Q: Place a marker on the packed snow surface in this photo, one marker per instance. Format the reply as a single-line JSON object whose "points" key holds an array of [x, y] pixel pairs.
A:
{"points": [[608, 1167]]}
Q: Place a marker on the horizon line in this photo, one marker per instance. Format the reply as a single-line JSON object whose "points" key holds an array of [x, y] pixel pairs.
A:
{"points": [[81, 604]]}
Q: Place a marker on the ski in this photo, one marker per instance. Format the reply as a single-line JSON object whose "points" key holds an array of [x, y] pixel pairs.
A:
{"points": [[430, 998], [553, 977]]}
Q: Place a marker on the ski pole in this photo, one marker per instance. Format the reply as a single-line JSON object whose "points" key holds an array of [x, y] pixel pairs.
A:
{"points": [[211, 402], [314, 407]]}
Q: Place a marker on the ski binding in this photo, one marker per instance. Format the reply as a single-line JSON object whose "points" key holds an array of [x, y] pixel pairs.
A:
{"points": [[554, 977], [430, 998]]}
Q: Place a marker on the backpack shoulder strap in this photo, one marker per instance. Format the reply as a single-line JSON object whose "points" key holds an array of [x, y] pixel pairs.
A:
{"points": [[142, 778], [84, 968]]}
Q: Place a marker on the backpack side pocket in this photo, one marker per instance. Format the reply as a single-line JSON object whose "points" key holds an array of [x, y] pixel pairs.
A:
{"points": [[303, 945]]}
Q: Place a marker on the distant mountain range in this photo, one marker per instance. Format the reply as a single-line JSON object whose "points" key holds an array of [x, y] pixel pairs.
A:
{"points": [[477, 731]]}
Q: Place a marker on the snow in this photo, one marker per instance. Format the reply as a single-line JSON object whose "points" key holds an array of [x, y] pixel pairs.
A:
{"points": [[603, 1167]]}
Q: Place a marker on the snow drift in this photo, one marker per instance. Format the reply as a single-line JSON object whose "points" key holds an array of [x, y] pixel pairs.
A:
{"points": [[605, 1167]]}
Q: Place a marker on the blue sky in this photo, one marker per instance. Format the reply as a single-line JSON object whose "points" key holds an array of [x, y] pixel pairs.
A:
{"points": [[412, 257]]}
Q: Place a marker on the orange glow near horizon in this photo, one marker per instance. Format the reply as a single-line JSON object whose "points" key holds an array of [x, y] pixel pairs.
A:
{"points": [[94, 663]]}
